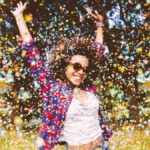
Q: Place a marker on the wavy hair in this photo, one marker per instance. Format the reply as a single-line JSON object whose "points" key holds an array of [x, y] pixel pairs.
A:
{"points": [[64, 52]]}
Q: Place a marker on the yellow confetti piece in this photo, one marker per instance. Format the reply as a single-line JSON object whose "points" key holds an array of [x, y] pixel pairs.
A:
{"points": [[18, 121], [110, 84], [129, 84], [58, 57], [139, 50], [122, 69], [17, 100], [28, 18], [1, 19], [16, 68], [73, 22], [112, 100], [146, 84], [2, 84], [115, 65], [14, 94], [10, 50], [1, 48], [149, 54], [41, 4]]}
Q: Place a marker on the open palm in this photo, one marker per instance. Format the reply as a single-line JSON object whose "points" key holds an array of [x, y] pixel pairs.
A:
{"points": [[20, 8], [98, 18]]}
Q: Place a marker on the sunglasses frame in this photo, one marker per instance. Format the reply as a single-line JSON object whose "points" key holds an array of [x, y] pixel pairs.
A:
{"points": [[79, 67]]}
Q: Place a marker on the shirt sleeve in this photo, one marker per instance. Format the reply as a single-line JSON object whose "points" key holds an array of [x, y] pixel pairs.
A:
{"points": [[32, 55], [106, 131]]}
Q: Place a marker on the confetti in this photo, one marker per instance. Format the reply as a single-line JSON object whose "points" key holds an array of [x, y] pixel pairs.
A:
{"points": [[123, 84]]}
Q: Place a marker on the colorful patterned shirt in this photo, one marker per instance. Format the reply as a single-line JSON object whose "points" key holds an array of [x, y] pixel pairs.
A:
{"points": [[56, 98]]}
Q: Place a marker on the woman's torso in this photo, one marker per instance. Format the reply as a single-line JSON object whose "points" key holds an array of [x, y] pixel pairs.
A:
{"points": [[82, 125]]}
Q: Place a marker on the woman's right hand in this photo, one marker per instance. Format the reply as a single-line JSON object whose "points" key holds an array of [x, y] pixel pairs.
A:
{"points": [[19, 9], [21, 23]]}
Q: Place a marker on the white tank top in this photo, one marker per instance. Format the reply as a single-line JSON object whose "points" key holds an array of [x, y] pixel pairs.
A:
{"points": [[82, 125]]}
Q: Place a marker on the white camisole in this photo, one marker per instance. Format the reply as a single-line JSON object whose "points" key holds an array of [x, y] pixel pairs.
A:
{"points": [[82, 125]]}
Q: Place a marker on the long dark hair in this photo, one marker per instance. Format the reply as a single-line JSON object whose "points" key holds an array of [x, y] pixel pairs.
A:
{"points": [[64, 52]]}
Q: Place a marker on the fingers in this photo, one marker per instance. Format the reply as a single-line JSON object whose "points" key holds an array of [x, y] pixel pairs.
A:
{"points": [[25, 5], [96, 12], [93, 15], [21, 5], [96, 16], [18, 5], [20, 8]]}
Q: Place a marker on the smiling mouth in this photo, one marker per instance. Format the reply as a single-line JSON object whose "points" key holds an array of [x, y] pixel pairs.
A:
{"points": [[78, 77]]}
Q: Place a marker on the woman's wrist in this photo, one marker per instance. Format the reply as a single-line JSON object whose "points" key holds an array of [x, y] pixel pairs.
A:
{"points": [[20, 15], [99, 24], [19, 18]]}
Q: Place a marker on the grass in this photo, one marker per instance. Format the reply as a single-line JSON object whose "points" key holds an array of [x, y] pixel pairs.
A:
{"points": [[123, 139], [129, 139]]}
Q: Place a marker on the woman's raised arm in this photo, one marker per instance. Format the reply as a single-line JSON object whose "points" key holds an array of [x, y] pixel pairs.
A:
{"points": [[18, 14], [32, 53], [99, 23]]}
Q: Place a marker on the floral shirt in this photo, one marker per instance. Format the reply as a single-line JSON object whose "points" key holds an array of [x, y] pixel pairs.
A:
{"points": [[56, 98]]}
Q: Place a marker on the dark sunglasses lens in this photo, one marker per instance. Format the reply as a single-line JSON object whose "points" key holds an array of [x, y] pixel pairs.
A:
{"points": [[77, 67]]}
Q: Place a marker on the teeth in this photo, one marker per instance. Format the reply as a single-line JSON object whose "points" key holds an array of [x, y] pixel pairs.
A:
{"points": [[78, 77]]}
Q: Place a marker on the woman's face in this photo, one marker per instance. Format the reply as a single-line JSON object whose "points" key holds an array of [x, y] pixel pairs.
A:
{"points": [[77, 68]]}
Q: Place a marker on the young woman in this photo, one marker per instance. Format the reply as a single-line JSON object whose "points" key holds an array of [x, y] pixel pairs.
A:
{"points": [[71, 111]]}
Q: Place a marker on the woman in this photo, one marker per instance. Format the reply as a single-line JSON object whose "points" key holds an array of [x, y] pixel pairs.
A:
{"points": [[70, 105]]}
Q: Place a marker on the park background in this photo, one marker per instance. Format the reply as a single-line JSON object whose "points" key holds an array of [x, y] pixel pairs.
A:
{"points": [[124, 82]]}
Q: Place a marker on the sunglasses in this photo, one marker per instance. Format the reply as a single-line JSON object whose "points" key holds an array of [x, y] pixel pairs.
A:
{"points": [[77, 67]]}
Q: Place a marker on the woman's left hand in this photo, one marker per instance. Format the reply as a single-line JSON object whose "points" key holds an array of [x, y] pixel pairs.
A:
{"points": [[98, 18], [99, 24]]}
